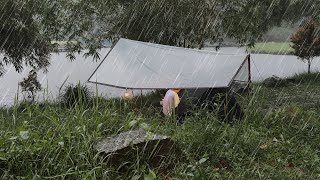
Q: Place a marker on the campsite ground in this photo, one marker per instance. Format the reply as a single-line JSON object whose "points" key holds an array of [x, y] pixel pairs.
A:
{"points": [[278, 140]]}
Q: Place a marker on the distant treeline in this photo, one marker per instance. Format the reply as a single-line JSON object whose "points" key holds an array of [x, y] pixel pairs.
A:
{"points": [[279, 34]]}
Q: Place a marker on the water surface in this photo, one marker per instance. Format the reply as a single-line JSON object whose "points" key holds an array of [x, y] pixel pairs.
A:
{"points": [[62, 70]]}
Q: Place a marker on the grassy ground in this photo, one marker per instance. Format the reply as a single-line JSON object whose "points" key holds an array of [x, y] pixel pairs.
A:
{"points": [[272, 48], [279, 139]]}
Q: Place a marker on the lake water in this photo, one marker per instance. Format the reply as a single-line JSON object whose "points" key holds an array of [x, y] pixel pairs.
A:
{"points": [[62, 70]]}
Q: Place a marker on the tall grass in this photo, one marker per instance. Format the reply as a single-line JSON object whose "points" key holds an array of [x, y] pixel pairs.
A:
{"points": [[279, 139]]}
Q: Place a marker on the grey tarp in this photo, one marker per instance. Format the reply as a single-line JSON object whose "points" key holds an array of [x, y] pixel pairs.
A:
{"points": [[140, 65]]}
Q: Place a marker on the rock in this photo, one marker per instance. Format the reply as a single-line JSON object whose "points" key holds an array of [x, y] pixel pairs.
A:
{"points": [[126, 139], [275, 81], [128, 146]]}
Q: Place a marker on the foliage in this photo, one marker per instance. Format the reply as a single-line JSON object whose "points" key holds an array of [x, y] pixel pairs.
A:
{"points": [[29, 27], [74, 95], [190, 23], [31, 85], [278, 140], [196, 171], [177, 23], [21, 37], [306, 41], [310, 78]]}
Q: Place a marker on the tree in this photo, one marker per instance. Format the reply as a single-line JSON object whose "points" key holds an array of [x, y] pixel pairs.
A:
{"points": [[31, 85], [20, 37], [29, 26], [306, 42], [192, 22]]}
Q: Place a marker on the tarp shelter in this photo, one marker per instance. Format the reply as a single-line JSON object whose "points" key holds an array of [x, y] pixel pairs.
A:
{"points": [[141, 65]]}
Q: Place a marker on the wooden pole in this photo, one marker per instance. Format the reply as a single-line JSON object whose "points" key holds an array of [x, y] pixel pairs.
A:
{"points": [[141, 98], [249, 68]]}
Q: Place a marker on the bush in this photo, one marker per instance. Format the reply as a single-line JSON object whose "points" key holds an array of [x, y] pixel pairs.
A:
{"points": [[74, 95], [31, 85], [275, 81], [306, 42]]}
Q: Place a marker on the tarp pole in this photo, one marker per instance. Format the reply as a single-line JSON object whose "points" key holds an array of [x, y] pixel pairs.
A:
{"points": [[135, 101], [249, 68], [141, 98]]}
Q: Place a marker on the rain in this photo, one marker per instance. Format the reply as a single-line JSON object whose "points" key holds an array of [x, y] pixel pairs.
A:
{"points": [[79, 75]]}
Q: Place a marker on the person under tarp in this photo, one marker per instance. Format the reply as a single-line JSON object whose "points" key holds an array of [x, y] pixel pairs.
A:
{"points": [[174, 102], [170, 101], [211, 99]]}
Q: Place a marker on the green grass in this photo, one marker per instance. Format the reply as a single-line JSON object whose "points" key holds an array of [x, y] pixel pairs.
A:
{"points": [[272, 48], [278, 140]]}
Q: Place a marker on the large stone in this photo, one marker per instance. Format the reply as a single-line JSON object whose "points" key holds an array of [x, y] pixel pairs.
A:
{"points": [[275, 81], [157, 150], [130, 138]]}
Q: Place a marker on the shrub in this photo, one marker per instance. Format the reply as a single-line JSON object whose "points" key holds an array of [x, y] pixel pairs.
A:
{"points": [[31, 85], [74, 95], [306, 42]]}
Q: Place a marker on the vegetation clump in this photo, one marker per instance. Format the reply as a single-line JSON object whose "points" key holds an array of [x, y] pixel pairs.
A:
{"points": [[276, 81], [278, 139], [30, 85], [306, 41], [76, 95]]}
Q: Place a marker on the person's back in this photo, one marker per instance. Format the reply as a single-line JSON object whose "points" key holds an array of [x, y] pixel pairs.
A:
{"points": [[170, 102]]}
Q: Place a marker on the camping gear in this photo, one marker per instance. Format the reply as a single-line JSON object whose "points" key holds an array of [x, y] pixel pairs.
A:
{"points": [[140, 65]]}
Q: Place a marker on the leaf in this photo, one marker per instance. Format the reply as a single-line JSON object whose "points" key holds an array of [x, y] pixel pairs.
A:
{"points": [[99, 126], [316, 158], [150, 176], [190, 174], [203, 160], [264, 146], [216, 169], [132, 123], [153, 173], [275, 140], [13, 138], [145, 126], [224, 164], [291, 165], [136, 177], [2, 156], [2, 141], [24, 134], [61, 144], [114, 114]]}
